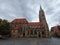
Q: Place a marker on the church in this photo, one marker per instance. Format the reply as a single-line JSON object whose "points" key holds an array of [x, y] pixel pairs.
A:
{"points": [[21, 28]]}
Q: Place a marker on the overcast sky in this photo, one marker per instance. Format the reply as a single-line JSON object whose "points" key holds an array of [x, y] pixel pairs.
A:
{"points": [[29, 9]]}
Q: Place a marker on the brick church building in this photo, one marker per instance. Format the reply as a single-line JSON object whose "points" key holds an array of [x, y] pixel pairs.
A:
{"points": [[23, 28]]}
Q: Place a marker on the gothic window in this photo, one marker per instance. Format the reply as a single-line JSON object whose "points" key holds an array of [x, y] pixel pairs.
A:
{"points": [[20, 30], [31, 32], [59, 29], [43, 32], [28, 32], [35, 32]]}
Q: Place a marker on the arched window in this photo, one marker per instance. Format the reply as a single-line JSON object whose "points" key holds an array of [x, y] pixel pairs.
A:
{"points": [[35, 32], [43, 32], [20, 30], [31, 32]]}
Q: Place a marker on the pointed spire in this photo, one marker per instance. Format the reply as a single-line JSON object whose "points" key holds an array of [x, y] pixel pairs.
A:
{"points": [[41, 8]]}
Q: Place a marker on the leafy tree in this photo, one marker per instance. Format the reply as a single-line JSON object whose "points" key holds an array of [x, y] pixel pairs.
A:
{"points": [[0, 20], [5, 27]]}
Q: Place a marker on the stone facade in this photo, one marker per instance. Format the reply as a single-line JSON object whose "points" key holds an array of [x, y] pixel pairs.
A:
{"points": [[23, 28], [55, 31]]}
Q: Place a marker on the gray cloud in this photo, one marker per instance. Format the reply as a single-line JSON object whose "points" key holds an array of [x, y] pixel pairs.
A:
{"points": [[18, 9], [52, 11], [29, 9]]}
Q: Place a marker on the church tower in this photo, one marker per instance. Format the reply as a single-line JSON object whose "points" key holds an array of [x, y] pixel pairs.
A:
{"points": [[43, 20]]}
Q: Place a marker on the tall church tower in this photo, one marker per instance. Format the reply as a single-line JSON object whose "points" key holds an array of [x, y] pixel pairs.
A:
{"points": [[43, 20]]}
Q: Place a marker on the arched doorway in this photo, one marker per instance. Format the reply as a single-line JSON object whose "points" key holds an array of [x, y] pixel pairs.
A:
{"points": [[39, 35], [23, 34]]}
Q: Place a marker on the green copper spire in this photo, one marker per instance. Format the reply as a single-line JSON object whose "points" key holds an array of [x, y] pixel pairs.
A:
{"points": [[41, 8]]}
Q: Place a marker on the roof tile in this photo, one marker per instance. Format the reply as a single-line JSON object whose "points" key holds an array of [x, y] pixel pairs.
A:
{"points": [[35, 24], [19, 21]]}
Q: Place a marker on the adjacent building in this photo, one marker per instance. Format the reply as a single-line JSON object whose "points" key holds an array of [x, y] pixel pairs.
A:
{"points": [[22, 28], [55, 31]]}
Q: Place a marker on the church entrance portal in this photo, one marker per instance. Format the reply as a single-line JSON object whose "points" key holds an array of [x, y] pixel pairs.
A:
{"points": [[23, 34], [39, 35]]}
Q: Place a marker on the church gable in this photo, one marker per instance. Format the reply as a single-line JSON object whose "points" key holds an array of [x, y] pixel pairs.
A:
{"points": [[20, 21]]}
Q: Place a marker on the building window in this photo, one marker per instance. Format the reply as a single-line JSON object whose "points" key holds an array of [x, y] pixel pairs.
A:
{"points": [[43, 32], [35, 32], [31, 32], [20, 30], [59, 29], [28, 32]]}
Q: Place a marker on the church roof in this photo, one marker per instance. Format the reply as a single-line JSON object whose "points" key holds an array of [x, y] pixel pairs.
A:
{"points": [[35, 24], [25, 21], [20, 21], [58, 26], [16, 28]]}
